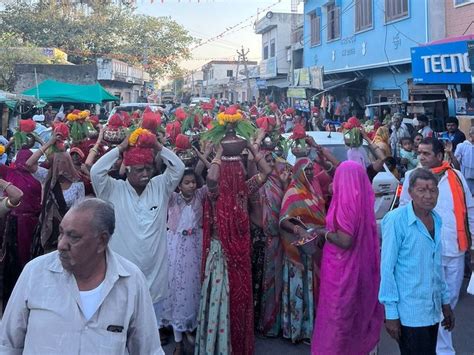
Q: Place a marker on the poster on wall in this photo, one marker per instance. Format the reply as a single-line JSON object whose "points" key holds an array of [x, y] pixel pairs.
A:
{"points": [[461, 104], [302, 105]]}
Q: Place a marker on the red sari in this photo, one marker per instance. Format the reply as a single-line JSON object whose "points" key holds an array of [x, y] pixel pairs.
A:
{"points": [[230, 216]]}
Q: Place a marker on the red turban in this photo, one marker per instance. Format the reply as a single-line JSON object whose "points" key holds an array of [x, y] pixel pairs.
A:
{"points": [[115, 122], [138, 156], [180, 114], [151, 120], [94, 120], [298, 132], [182, 142], [265, 123], [27, 126]]}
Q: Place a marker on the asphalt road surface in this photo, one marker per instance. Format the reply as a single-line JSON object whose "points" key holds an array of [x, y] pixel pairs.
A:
{"points": [[463, 336]]}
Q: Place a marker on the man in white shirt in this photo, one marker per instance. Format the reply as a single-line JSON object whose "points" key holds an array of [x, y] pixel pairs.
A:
{"points": [[141, 206], [455, 205], [82, 298], [424, 126], [465, 155], [399, 131]]}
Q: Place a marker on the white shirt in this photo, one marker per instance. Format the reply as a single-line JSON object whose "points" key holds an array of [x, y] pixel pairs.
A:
{"points": [[140, 226], [445, 208], [91, 300], [426, 132], [465, 155], [45, 315]]}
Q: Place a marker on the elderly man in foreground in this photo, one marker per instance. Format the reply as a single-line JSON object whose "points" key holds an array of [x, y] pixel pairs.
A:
{"points": [[82, 298]]}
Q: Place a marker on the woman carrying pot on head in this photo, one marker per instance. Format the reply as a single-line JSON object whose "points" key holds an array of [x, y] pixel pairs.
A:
{"points": [[62, 188], [226, 310]]}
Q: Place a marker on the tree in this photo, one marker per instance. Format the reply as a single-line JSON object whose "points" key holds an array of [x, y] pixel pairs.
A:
{"points": [[14, 51], [103, 30]]}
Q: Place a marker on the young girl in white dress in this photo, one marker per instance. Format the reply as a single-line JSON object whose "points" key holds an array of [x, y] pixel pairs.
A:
{"points": [[185, 211]]}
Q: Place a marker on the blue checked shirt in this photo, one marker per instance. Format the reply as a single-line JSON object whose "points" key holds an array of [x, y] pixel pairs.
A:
{"points": [[412, 286]]}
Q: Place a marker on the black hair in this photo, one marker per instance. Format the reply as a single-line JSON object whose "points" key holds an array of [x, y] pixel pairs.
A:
{"points": [[421, 174], [416, 134], [423, 118], [452, 119], [187, 172], [404, 139], [438, 146]]}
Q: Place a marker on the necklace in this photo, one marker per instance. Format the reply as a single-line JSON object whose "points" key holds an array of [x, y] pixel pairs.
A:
{"points": [[186, 199]]}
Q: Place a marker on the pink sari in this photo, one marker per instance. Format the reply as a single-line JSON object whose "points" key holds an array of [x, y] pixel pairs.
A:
{"points": [[349, 316]]}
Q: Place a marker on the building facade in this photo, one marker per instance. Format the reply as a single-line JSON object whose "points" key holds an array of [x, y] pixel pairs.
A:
{"points": [[278, 34], [459, 17], [226, 80], [123, 80], [364, 47]]}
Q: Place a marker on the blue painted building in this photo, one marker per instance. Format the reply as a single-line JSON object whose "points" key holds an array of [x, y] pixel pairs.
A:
{"points": [[365, 45]]}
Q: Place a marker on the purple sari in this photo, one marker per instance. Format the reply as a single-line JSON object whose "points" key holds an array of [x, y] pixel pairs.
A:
{"points": [[349, 316]]}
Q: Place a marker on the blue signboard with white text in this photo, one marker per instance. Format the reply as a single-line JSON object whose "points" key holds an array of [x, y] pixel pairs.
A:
{"points": [[446, 63]]}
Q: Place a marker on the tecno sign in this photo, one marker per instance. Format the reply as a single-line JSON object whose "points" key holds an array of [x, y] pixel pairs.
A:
{"points": [[446, 63]]}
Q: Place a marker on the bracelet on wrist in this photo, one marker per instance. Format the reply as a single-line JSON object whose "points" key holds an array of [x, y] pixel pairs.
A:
{"points": [[6, 186], [11, 205], [326, 236]]}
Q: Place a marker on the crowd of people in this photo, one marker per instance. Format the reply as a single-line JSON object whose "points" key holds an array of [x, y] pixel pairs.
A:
{"points": [[115, 233]]}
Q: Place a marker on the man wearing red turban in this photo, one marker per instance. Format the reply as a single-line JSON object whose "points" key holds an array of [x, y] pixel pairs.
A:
{"points": [[140, 205]]}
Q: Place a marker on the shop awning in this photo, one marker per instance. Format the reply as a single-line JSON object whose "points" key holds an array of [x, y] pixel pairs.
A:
{"points": [[385, 103], [279, 83], [55, 91], [333, 84], [414, 102]]}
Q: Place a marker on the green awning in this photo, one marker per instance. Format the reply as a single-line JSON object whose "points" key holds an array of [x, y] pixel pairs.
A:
{"points": [[55, 91]]}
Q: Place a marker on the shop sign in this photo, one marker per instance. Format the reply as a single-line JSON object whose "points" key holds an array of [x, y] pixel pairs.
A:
{"points": [[470, 50], [268, 68], [317, 74], [446, 63], [261, 84], [299, 93]]}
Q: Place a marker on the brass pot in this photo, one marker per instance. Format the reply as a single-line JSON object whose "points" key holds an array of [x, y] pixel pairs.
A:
{"points": [[231, 144]]}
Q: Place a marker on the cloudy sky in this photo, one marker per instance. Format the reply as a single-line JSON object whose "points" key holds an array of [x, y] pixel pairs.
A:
{"points": [[208, 18]]}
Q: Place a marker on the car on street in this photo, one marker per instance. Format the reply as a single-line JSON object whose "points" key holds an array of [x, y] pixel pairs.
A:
{"points": [[195, 101], [384, 184]]}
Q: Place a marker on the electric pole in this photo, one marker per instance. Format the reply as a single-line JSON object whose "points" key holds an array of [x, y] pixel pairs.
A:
{"points": [[243, 54]]}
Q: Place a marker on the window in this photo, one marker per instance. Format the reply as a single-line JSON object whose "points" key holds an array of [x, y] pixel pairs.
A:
{"points": [[315, 23], [463, 2], [272, 48], [363, 15], [334, 26], [265, 51], [230, 73], [395, 9]]}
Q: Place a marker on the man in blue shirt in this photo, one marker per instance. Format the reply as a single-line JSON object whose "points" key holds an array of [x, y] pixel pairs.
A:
{"points": [[413, 290]]}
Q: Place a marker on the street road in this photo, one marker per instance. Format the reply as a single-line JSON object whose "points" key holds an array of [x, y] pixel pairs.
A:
{"points": [[463, 336]]}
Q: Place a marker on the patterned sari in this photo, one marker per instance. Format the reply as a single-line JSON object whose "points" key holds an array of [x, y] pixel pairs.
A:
{"points": [[302, 200], [271, 195]]}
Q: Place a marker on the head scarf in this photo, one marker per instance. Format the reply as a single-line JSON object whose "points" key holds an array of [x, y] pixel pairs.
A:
{"points": [[303, 199], [356, 271], [382, 135], [62, 166]]}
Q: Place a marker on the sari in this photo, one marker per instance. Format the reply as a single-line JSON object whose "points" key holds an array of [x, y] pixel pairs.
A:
{"points": [[21, 222], [227, 267], [271, 195], [54, 205], [349, 315], [303, 200], [382, 140]]}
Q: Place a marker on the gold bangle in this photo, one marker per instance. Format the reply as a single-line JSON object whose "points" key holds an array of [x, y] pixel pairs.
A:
{"points": [[11, 205]]}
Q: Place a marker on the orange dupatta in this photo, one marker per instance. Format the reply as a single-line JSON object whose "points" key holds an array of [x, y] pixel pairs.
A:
{"points": [[459, 201]]}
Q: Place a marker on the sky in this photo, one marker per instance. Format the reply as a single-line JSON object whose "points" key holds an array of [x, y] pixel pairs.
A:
{"points": [[205, 19]]}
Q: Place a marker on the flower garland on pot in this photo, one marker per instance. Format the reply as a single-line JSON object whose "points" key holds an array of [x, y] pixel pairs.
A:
{"points": [[25, 133], [230, 118], [351, 131], [298, 141], [80, 125]]}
